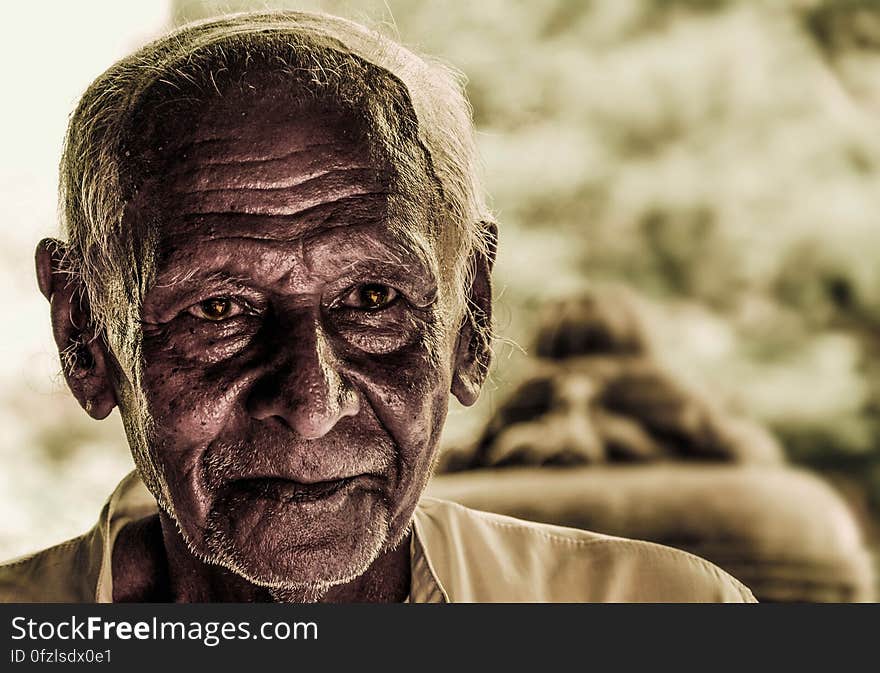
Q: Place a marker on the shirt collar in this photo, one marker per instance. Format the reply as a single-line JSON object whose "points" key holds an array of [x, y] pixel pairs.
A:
{"points": [[132, 501]]}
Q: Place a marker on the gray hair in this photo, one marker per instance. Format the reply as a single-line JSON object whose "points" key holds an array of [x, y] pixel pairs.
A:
{"points": [[415, 109]]}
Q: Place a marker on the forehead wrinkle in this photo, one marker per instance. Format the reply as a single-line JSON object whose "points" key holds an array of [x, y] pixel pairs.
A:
{"points": [[360, 209], [252, 151], [273, 201], [228, 178], [268, 174]]}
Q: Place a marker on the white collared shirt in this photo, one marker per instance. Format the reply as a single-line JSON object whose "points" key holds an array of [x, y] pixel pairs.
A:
{"points": [[457, 555]]}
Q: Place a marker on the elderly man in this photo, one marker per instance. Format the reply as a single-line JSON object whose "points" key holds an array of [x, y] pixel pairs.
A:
{"points": [[277, 267]]}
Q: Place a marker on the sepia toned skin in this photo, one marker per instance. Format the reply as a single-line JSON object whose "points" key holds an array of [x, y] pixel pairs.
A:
{"points": [[297, 352]]}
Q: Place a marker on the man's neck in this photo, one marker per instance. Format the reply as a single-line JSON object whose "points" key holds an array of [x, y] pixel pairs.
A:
{"points": [[151, 563]]}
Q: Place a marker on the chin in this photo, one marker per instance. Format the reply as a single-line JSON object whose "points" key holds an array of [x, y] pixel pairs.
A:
{"points": [[299, 545]]}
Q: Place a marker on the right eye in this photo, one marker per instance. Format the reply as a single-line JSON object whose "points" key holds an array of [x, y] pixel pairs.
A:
{"points": [[216, 309]]}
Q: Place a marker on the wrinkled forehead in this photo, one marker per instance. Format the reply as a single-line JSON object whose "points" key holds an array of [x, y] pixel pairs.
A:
{"points": [[263, 165], [243, 125], [259, 156]]}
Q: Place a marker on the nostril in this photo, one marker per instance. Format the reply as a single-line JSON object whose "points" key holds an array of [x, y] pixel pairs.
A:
{"points": [[262, 400]]}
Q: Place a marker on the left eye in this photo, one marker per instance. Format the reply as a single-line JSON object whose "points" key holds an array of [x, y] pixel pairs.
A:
{"points": [[215, 309], [370, 297]]}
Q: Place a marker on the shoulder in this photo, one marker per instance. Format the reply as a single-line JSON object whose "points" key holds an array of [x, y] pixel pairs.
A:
{"points": [[485, 557], [65, 573]]}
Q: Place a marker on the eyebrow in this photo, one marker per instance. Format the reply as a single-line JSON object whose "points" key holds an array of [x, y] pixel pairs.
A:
{"points": [[404, 257], [192, 275]]}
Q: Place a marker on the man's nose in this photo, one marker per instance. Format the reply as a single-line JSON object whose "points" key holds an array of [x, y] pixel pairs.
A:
{"points": [[304, 389]]}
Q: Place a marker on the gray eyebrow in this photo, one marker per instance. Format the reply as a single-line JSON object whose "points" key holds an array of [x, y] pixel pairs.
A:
{"points": [[416, 244], [185, 276], [412, 254]]}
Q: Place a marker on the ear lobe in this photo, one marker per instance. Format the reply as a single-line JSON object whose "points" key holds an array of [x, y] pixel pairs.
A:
{"points": [[474, 348], [84, 356]]}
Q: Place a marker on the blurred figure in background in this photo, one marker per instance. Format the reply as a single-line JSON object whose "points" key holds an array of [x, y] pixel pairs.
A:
{"points": [[600, 395], [623, 446]]}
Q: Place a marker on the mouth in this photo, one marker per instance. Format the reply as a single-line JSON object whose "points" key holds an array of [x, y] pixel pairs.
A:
{"points": [[289, 491]]}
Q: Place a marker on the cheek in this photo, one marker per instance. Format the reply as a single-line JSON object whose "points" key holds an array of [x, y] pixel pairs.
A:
{"points": [[409, 397], [190, 406], [409, 393], [190, 409]]}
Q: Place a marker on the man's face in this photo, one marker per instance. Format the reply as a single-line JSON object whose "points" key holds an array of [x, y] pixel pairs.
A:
{"points": [[296, 353]]}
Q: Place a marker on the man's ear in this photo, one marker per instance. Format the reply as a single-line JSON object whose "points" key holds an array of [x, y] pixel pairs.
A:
{"points": [[84, 356], [474, 349]]}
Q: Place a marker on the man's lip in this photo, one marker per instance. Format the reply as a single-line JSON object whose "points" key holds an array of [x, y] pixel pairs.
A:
{"points": [[289, 490], [305, 480]]}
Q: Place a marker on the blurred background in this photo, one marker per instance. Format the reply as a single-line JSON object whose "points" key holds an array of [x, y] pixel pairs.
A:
{"points": [[697, 182]]}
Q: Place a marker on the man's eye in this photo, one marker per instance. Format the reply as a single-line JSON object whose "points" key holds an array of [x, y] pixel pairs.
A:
{"points": [[215, 309], [370, 297]]}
